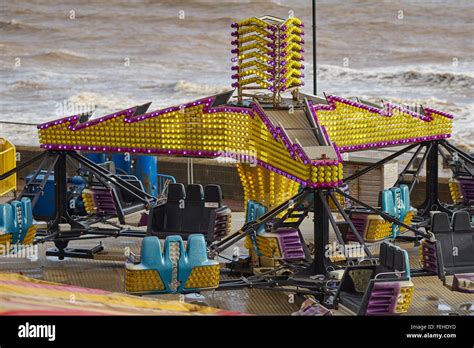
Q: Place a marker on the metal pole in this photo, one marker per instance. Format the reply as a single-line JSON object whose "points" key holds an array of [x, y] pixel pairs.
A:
{"points": [[349, 222], [432, 202], [321, 235], [113, 178], [315, 82], [468, 158], [418, 170], [409, 164], [60, 191], [379, 163], [23, 165]]}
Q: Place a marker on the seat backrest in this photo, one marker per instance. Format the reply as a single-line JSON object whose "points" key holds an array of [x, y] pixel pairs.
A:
{"points": [[212, 196], [354, 285], [388, 205], [193, 211], [405, 194], [440, 223], [393, 259], [444, 235], [254, 211], [174, 207], [176, 193], [250, 212], [156, 221], [463, 239], [461, 222], [212, 201], [151, 255], [194, 193], [126, 198]]}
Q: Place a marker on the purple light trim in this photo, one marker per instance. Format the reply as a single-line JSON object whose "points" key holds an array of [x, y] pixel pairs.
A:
{"points": [[73, 126], [265, 120], [286, 141], [302, 154], [386, 111], [74, 119]]}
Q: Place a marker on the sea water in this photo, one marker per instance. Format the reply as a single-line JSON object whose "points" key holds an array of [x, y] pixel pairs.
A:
{"points": [[57, 59]]}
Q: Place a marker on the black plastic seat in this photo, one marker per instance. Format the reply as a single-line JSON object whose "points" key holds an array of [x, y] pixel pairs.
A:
{"points": [[212, 201], [463, 242], [444, 236], [174, 208], [354, 285], [355, 289], [129, 202], [194, 205], [197, 210], [213, 196], [390, 260], [454, 244]]}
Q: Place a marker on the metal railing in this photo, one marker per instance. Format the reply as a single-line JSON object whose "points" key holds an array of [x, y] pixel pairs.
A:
{"points": [[163, 180]]}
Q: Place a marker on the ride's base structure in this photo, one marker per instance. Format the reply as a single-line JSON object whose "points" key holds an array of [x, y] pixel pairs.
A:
{"points": [[106, 272]]}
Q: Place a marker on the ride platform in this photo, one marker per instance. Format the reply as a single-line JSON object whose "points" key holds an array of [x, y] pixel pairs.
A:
{"points": [[105, 274]]}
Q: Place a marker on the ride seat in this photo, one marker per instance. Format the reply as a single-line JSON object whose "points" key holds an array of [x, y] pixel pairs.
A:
{"points": [[454, 244], [194, 208], [444, 236], [378, 289], [463, 241], [129, 203], [174, 208], [212, 201]]}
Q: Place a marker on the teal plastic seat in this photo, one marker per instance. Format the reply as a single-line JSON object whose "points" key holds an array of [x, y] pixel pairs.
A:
{"points": [[388, 203], [405, 195], [151, 256], [254, 211], [176, 263], [8, 224], [16, 218], [396, 203]]}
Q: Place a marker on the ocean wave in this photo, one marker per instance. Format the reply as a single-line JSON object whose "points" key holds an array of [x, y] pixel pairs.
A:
{"points": [[186, 88], [99, 102], [400, 75], [27, 85], [14, 25], [432, 79], [183, 86], [194, 20], [61, 55], [212, 3]]}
